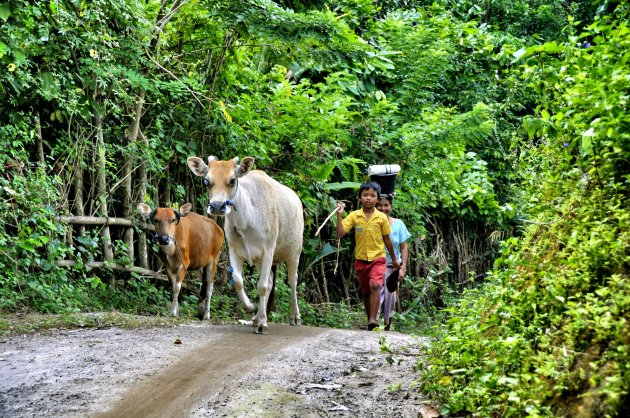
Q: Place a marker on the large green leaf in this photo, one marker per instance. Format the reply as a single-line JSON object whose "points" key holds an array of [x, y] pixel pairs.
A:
{"points": [[5, 11], [343, 185]]}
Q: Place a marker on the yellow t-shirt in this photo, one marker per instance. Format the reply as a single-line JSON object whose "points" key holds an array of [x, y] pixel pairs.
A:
{"points": [[368, 234]]}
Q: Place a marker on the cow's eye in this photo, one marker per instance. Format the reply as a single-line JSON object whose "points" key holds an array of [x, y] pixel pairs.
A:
{"points": [[173, 220], [206, 182], [232, 182]]}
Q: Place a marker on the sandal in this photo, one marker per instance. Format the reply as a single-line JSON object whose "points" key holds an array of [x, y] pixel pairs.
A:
{"points": [[371, 326]]}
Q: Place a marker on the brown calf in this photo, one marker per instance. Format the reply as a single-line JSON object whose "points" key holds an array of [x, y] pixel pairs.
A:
{"points": [[188, 242]]}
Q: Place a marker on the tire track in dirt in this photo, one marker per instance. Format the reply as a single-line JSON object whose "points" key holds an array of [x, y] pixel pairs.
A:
{"points": [[176, 390]]}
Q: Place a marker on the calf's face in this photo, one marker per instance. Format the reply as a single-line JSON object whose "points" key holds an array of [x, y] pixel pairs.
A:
{"points": [[165, 221], [221, 181]]}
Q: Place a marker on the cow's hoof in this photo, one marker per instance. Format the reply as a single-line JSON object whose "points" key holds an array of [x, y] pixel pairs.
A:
{"points": [[262, 329], [296, 322]]}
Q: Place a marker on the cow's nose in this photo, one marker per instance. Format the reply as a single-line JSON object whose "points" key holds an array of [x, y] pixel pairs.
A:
{"points": [[217, 208], [163, 239]]}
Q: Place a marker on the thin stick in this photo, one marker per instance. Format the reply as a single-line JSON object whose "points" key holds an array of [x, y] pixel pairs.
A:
{"points": [[338, 241], [337, 261], [326, 220]]}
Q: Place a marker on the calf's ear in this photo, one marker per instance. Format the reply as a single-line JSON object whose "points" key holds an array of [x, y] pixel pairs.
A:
{"points": [[145, 210], [245, 167], [197, 166], [185, 209]]}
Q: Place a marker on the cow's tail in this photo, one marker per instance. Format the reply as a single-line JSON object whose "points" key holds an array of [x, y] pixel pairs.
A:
{"points": [[272, 291]]}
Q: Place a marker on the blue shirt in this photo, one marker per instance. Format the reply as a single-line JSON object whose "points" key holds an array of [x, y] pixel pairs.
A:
{"points": [[399, 235]]}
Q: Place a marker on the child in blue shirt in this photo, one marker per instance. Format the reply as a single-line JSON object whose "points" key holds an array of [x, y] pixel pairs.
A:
{"points": [[398, 237]]}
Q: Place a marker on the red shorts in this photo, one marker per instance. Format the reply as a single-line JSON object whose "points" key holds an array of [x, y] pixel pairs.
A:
{"points": [[370, 272]]}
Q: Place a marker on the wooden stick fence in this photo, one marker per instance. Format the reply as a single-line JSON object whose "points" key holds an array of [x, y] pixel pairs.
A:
{"points": [[110, 264], [96, 220]]}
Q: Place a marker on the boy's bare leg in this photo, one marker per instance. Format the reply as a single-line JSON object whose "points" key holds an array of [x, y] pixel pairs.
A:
{"points": [[375, 301]]}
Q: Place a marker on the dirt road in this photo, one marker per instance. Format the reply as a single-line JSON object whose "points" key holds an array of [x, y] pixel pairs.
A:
{"points": [[203, 370]]}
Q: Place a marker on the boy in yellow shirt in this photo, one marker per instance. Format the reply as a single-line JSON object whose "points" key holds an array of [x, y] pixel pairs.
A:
{"points": [[372, 231]]}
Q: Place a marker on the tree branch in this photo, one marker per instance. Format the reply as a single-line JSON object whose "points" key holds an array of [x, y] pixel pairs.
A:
{"points": [[177, 79]]}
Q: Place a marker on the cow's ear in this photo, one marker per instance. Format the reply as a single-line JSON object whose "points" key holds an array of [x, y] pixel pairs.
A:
{"points": [[212, 158], [145, 210], [197, 166], [245, 166], [185, 209]]}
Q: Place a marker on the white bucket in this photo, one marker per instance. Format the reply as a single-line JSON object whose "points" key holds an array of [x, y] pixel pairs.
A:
{"points": [[383, 169]]}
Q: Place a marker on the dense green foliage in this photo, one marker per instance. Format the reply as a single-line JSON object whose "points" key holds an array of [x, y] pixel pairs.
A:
{"points": [[549, 334], [509, 119]]}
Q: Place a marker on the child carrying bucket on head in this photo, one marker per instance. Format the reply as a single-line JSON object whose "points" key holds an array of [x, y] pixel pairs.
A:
{"points": [[372, 231], [399, 236]]}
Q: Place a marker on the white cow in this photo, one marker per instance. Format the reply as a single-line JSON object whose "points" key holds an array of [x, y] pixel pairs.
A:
{"points": [[264, 224]]}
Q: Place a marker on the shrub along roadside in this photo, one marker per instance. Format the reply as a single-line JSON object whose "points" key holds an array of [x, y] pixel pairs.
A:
{"points": [[548, 333]]}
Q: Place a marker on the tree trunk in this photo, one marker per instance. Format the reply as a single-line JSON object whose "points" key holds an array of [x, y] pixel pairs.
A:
{"points": [[227, 42], [157, 196], [166, 191], [130, 161], [317, 290], [40, 141], [163, 17], [101, 190], [324, 281], [78, 191], [64, 197], [346, 291], [143, 256], [188, 195], [206, 76]]}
